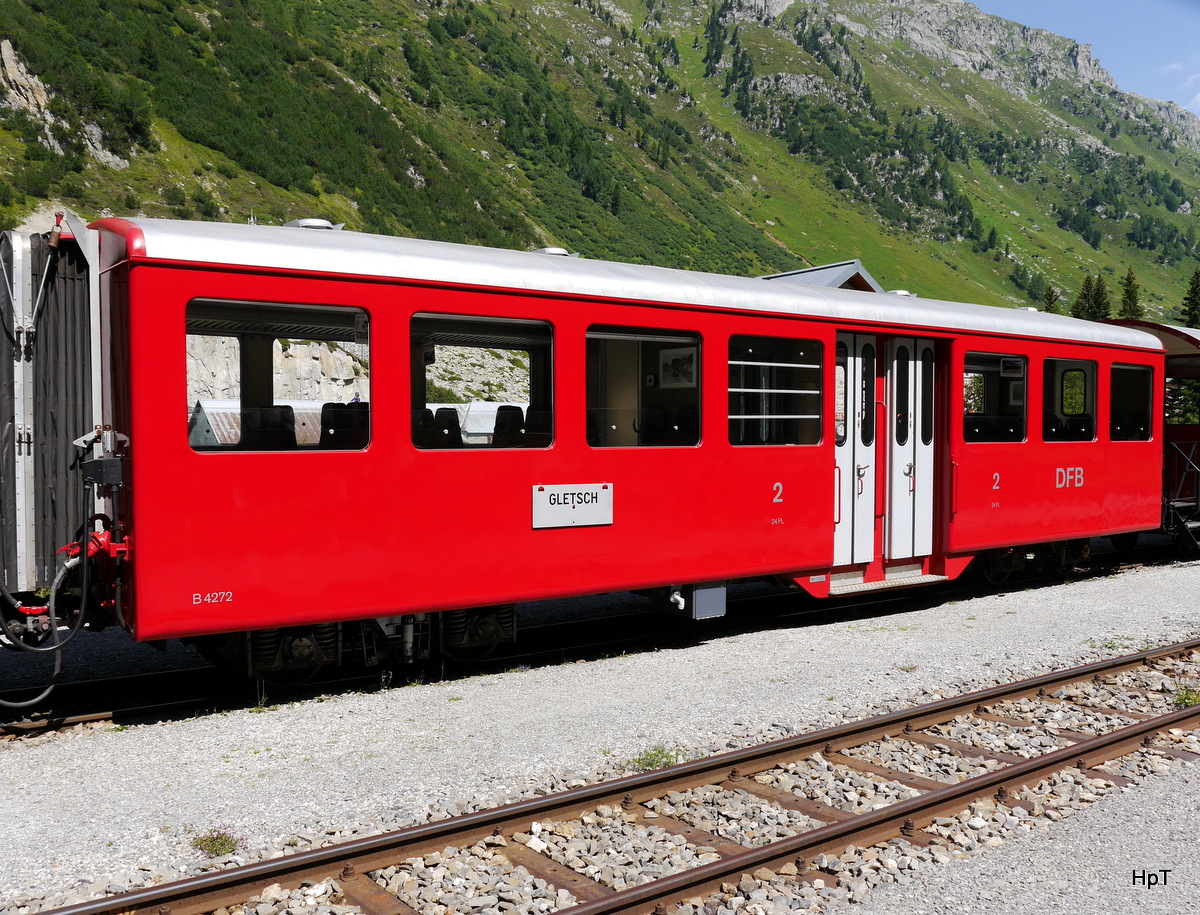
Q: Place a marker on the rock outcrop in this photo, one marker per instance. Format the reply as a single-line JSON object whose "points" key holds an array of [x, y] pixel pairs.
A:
{"points": [[304, 370], [23, 91]]}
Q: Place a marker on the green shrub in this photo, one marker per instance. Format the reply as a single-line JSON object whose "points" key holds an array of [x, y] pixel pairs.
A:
{"points": [[216, 842]]}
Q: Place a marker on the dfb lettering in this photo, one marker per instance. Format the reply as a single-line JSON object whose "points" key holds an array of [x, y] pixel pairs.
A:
{"points": [[1068, 477]]}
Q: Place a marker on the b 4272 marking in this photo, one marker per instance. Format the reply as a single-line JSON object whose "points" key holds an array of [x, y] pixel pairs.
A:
{"points": [[213, 597]]}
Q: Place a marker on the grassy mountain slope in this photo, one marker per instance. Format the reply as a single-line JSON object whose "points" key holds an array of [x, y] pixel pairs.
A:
{"points": [[936, 144]]}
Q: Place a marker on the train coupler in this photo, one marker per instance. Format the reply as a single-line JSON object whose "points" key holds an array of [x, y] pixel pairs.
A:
{"points": [[100, 543], [31, 630]]}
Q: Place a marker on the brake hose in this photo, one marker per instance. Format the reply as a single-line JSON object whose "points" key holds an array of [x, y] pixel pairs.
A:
{"points": [[57, 644], [56, 648]]}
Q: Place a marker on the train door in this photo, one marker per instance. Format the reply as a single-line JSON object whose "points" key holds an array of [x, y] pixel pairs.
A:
{"points": [[854, 451], [908, 523]]}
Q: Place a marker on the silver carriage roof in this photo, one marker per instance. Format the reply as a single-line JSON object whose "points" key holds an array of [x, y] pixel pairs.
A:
{"points": [[340, 252]]}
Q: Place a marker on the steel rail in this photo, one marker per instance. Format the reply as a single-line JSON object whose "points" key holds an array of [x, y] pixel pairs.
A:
{"points": [[208, 892], [901, 818]]}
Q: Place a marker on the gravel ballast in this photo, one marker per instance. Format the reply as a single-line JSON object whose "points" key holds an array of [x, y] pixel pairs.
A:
{"points": [[99, 808]]}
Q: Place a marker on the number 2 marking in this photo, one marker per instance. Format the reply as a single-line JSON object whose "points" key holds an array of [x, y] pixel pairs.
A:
{"points": [[995, 481], [778, 492]]}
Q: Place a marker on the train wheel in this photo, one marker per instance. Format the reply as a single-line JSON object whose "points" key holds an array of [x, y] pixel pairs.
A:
{"points": [[277, 657], [292, 657], [470, 636], [287, 679], [996, 568], [468, 654], [1124, 544]]}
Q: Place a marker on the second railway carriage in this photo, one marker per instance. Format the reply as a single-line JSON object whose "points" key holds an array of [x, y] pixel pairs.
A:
{"points": [[673, 431], [1181, 431]]}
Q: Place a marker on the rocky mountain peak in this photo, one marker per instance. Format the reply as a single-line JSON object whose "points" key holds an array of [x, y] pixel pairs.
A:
{"points": [[1017, 57], [1022, 60]]}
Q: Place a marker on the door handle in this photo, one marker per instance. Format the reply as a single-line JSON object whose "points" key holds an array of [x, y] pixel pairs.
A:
{"points": [[837, 491], [953, 489]]}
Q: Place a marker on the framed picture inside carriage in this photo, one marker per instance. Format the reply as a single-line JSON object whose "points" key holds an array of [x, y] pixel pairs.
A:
{"points": [[677, 367]]}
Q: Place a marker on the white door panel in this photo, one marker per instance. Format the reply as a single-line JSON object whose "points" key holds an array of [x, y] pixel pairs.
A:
{"points": [[854, 515], [924, 436], [908, 529], [898, 539]]}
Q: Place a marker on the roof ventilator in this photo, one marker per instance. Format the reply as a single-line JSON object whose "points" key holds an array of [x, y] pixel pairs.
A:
{"points": [[311, 223]]}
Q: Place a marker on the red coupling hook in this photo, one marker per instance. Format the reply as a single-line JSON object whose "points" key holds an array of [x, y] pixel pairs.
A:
{"points": [[100, 543]]}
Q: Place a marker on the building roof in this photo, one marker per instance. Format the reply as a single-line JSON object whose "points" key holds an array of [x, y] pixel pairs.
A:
{"points": [[846, 275]]}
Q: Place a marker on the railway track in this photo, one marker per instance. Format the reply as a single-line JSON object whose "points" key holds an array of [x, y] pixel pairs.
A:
{"points": [[895, 779]]}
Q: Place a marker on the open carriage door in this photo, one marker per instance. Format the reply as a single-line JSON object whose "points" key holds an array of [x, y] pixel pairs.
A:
{"points": [[908, 529], [854, 509]]}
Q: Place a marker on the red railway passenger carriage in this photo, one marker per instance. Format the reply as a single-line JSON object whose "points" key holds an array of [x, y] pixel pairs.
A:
{"points": [[280, 471]]}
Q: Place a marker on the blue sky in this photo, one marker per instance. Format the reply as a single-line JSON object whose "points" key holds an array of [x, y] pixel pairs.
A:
{"points": [[1151, 47]]}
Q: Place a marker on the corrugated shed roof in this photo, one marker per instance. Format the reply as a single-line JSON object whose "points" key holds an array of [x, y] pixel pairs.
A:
{"points": [[845, 275]]}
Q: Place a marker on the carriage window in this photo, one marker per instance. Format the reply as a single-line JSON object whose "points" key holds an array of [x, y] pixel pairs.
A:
{"points": [[866, 369], [643, 387], [271, 377], [927, 404], [1069, 401], [901, 406], [993, 398], [1132, 400], [1181, 405], [481, 383], [774, 391], [840, 393]]}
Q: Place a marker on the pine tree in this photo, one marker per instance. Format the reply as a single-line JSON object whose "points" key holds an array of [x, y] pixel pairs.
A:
{"points": [[1050, 299], [1100, 307], [1191, 302], [1131, 307], [1081, 306]]}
